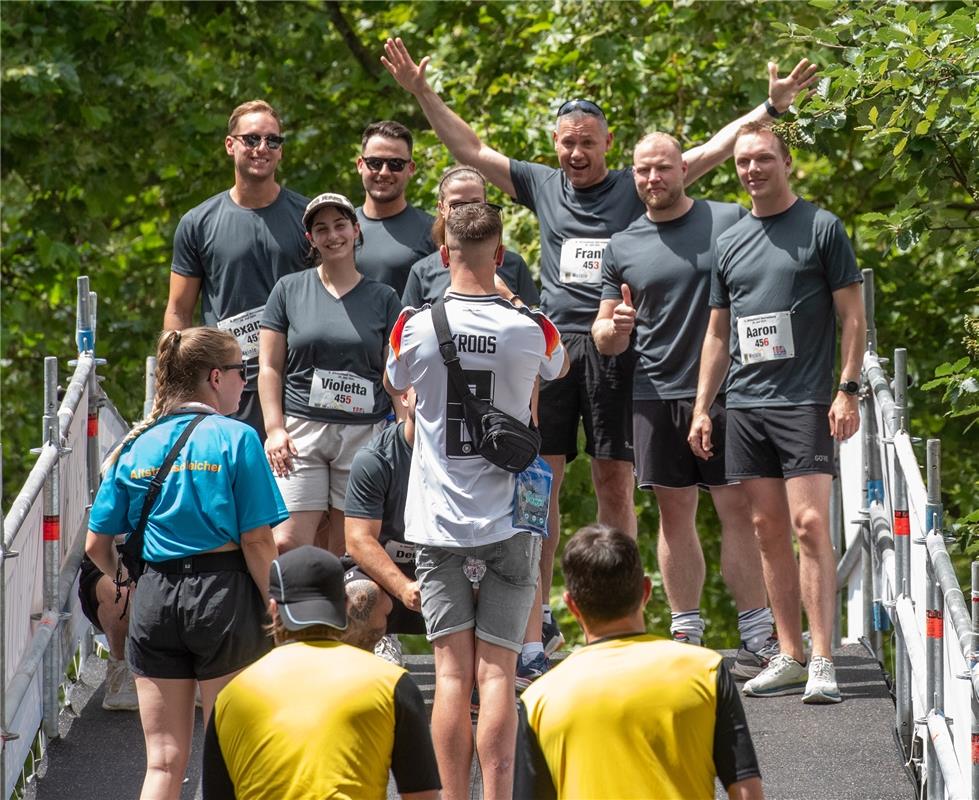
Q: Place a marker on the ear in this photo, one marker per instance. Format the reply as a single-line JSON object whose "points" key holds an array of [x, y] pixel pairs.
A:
{"points": [[444, 252], [608, 140], [309, 237], [229, 145], [410, 169], [500, 252], [572, 606], [647, 590]]}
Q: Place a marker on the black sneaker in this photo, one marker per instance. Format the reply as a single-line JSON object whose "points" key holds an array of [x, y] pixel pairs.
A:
{"points": [[748, 663], [551, 638]]}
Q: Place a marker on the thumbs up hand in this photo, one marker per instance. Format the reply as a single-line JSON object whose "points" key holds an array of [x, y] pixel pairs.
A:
{"points": [[624, 314]]}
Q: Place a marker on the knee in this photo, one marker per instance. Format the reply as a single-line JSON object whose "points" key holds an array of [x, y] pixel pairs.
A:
{"points": [[614, 483], [809, 524]]}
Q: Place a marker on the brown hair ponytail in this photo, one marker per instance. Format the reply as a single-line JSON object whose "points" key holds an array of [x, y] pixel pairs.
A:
{"points": [[184, 359]]}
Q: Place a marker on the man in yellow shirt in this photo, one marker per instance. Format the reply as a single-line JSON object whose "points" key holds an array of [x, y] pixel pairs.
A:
{"points": [[669, 723]]}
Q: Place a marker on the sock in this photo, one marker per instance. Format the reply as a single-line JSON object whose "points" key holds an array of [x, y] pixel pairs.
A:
{"points": [[689, 623], [755, 626], [530, 651], [546, 609]]}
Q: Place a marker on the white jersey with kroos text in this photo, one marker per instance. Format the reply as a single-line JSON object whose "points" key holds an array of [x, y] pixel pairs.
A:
{"points": [[455, 496]]}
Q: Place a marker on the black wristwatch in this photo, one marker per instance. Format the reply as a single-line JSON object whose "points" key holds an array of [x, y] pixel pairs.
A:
{"points": [[770, 108], [851, 388]]}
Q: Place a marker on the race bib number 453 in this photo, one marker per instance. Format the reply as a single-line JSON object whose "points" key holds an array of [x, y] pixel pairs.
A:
{"points": [[341, 391], [244, 327], [766, 337], [581, 261]]}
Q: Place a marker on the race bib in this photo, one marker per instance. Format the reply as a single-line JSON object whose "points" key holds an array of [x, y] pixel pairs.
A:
{"points": [[581, 261], [341, 391], [244, 327], [400, 552], [766, 337]]}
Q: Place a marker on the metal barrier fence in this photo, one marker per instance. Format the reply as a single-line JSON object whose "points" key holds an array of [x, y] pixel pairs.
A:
{"points": [[41, 624], [894, 569], [897, 572]]}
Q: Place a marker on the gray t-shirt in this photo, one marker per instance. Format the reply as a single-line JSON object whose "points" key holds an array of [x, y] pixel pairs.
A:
{"points": [[335, 347], [378, 484], [787, 265], [239, 254], [393, 244], [429, 278], [575, 225], [668, 266]]}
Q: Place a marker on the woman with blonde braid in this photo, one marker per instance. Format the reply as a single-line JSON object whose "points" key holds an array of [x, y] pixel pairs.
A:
{"points": [[429, 276], [198, 613]]}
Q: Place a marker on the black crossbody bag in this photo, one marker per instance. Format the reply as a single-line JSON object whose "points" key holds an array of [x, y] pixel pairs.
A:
{"points": [[131, 551], [501, 439]]}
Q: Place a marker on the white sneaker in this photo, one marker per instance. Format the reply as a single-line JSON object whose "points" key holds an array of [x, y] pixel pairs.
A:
{"points": [[389, 648], [783, 675], [821, 686], [120, 687]]}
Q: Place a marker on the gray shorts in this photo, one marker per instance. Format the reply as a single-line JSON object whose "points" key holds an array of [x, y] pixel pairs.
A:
{"points": [[506, 591]]}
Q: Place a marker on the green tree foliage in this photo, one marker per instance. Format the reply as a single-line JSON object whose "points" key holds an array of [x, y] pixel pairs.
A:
{"points": [[114, 113]]}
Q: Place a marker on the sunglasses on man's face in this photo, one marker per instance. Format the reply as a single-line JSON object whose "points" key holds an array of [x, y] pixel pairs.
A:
{"points": [[581, 106], [376, 164], [253, 140]]}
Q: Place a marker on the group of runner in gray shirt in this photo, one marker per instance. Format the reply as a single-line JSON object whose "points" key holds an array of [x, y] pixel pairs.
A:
{"points": [[636, 276]]}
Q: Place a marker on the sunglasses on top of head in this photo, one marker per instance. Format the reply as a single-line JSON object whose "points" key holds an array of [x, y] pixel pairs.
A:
{"points": [[581, 106], [376, 164], [253, 140]]}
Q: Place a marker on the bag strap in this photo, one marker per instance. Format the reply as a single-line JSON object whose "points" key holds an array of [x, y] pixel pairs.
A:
{"points": [[448, 349], [157, 483]]}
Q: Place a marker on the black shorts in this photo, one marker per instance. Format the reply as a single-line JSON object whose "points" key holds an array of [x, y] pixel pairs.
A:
{"points": [[778, 442], [597, 390], [250, 412], [401, 619], [663, 455], [200, 624], [88, 578]]}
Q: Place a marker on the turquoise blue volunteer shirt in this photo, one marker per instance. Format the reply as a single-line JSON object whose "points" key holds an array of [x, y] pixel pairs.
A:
{"points": [[219, 487]]}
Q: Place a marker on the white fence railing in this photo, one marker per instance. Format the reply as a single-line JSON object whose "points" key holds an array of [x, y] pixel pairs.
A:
{"points": [[43, 542], [897, 572]]}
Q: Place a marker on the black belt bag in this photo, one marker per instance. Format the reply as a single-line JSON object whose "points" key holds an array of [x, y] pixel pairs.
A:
{"points": [[501, 439], [226, 561]]}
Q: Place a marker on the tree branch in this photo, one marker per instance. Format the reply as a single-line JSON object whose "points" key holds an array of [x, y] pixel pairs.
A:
{"points": [[370, 64], [957, 168]]}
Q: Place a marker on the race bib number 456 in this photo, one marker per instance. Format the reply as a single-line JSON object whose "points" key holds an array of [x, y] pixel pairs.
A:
{"points": [[244, 327], [766, 337], [581, 261], [341, 391]]}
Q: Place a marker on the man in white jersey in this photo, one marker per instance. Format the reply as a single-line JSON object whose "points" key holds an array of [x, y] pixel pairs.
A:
{"points": [[579, 206], [460, 510]]}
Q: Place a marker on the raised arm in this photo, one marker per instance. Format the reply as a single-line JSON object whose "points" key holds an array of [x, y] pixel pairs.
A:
{"points": [[454, 132], [781, 94]]}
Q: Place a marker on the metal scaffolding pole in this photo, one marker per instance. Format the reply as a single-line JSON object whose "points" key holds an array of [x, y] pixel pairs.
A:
{"points": [[935, 621], [902, 557], [52, 547]]}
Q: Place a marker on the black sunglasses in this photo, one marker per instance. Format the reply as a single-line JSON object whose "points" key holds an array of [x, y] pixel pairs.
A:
{"points": [[253, 140], [376, 164], [240, 367], [460, 203], [584, 106]]}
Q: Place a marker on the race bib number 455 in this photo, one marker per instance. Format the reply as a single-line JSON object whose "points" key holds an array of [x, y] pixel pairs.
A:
{"points": [[766, 337], [581, 261], [341, 391], [244, 327]]}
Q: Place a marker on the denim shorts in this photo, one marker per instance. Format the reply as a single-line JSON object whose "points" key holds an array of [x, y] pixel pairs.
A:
{"points": [[506, 590]]}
